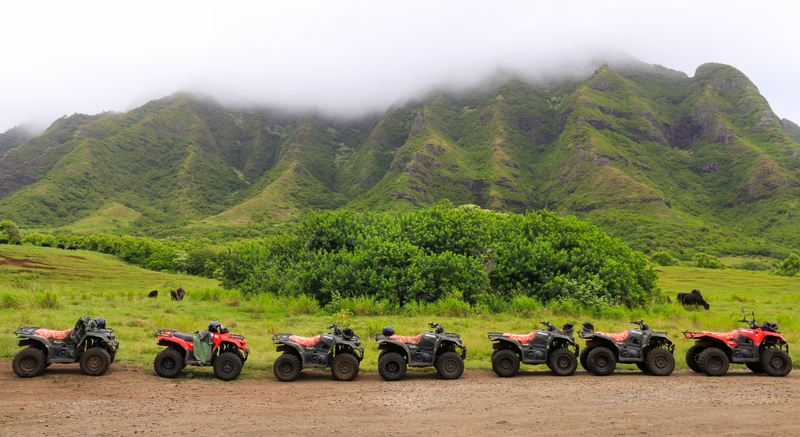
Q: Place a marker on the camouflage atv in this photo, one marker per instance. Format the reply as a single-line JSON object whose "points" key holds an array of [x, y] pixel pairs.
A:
{"points": [[341, 350], [89, 342], [548, 346], [437, 348]]}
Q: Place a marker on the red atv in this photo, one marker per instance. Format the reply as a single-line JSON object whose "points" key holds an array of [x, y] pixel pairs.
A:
{"points": [[760, 347], [213, 347]]}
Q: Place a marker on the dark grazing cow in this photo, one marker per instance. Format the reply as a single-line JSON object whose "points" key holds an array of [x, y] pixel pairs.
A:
{"points": [[153, 294], [693, 298], [47, 245], [426, 297], [177, 294], [19, 243], [60, 246], [3, 241], [73, 248]]}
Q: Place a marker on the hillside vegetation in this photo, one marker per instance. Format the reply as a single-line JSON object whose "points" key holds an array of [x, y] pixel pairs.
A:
{"points": [[664, 161]]}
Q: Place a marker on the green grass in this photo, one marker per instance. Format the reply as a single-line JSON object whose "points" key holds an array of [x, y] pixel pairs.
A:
{"points": [[59, 287]]}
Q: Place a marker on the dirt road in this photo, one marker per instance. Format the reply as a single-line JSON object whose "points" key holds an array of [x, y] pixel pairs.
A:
{"points": [[127, 401]]}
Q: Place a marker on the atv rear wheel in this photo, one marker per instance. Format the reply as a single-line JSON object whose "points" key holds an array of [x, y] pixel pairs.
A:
{"points": [[344, 367], [643, 366], [776, 362], [286, 367], [691, 358], [227, 366], [584, 354], [660, 362], [505, 363], [713, 362], [601, 361], [95, 361], [563, 362], [29, 362], [392, 366], [168, 363], [450, 365]]}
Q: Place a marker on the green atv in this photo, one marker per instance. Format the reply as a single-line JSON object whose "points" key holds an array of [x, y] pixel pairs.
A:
{"points": [[89, 342]]}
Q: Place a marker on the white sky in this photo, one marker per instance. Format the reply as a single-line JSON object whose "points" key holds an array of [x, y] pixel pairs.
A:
{"points": [[59, 58]]}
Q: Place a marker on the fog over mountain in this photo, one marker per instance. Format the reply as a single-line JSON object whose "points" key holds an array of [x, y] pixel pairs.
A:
{"points": [[355, 56]]}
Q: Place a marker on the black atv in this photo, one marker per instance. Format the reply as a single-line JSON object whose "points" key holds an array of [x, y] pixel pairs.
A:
{"points": [[437, 348], [89, 342], [340, 349], [548, 346], [651, 351]]}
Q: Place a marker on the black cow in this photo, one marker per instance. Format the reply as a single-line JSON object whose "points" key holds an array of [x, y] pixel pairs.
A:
{"points": [[426, 297], [47, 245], [3, 241], [60, 246], [19, 243], [73, 248], [693, 298], [153, 294]]}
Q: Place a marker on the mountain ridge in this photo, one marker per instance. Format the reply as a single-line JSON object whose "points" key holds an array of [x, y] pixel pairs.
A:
{"points": [[695, 158]]}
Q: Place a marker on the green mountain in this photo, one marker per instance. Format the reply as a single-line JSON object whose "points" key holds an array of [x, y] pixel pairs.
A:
{"points": [[660, 159]]}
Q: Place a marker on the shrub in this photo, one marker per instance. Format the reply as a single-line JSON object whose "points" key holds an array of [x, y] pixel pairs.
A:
{"points": [[706, 261], [790, 266], [663, 259]]}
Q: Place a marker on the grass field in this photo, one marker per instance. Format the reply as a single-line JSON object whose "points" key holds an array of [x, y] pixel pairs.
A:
{"points": [[52, 288]]}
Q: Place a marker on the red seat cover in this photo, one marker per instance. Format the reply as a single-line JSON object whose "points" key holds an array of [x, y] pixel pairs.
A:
{"points": [[521, 338], [617, 337], [732, 335], [305, 341], [407, 339], [55, 335]]}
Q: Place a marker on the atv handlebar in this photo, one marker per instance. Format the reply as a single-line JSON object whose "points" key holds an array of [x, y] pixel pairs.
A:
{"points": [[641, 324], [550, 326]]}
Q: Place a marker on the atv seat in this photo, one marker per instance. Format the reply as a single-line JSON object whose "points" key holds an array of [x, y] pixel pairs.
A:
{"points": [[617, 337], [305, 341], [732, 335], [407, 339], [55, 335], [182, 336], [526, 338]]}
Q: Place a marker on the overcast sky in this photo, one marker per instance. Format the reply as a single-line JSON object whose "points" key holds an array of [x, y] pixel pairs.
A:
{"points": [[59, 58]]}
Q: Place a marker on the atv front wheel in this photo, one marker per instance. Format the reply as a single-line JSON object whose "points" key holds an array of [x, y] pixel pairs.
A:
{"points": [[660, 362], [227, 366], [601, 361], [450, 365], [776, 362], [344, 367], [392, 366], [563, 362], [95, 361], [692, 356], [643, 367], [505, 363], [713, 362], [286, 367], [584, 354], [168, 363], [29, 362]]}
